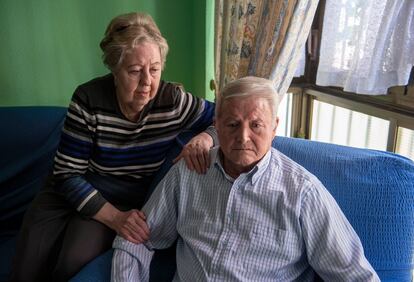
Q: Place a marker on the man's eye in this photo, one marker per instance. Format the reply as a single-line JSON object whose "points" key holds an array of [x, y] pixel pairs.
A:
{"points": [[232, 125], [154, 70]]}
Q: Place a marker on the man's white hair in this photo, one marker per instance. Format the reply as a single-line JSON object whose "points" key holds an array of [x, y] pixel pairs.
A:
{"points": [[249, 86]]}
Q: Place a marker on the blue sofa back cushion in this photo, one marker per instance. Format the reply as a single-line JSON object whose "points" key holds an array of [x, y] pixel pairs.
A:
{"points": [[30, 136], [375, 190]]}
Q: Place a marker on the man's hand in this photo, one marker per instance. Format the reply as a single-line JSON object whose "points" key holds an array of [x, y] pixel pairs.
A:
{"points": [[130, 225], [196, 153]]}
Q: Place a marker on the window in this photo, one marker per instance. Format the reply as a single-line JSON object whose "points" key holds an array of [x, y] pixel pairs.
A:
{"points": [[330, 113], [338, 117], [285, 116], [405, 142], [334, 124]]}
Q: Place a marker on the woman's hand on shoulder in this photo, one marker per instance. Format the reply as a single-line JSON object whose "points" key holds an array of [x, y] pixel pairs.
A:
{"points": [[196, 153], [131, 224]]}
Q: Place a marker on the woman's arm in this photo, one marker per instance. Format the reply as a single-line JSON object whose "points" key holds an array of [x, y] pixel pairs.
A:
{"points": [[73, 156], [130, 225], [196, 153]]}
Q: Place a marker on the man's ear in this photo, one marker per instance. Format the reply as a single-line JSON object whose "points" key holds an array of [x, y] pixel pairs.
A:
{"points": [[276, 124]]}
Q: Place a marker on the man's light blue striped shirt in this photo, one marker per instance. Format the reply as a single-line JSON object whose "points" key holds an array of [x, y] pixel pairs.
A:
{"points": [[274, 223]]}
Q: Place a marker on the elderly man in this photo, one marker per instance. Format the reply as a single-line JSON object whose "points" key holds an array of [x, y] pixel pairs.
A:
{"points": [[256, 215]]}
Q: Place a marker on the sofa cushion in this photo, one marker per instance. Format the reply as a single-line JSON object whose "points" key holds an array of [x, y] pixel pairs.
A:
{"points": [[98, 270], [375, 190], [30, 136], [7, 250]]}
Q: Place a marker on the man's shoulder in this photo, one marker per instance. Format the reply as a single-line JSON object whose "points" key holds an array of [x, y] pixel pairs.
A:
{"points": [[282, 164], [192, 177]]}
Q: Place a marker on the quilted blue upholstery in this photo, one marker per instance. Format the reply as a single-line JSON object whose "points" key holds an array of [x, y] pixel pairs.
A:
{"points": [[29, 138], [374, 189]]}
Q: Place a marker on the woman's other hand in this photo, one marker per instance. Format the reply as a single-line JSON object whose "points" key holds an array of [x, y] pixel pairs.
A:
{"points": [[196, 153], [131, 224]]}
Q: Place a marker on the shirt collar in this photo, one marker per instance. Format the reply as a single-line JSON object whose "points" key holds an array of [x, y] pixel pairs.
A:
{"points": [[253, 175]]}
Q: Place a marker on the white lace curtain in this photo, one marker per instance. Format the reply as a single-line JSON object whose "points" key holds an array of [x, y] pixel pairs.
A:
{"points": [[367, 45]]}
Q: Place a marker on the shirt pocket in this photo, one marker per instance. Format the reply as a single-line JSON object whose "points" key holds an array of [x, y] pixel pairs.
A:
{"points": [[271, 249]]}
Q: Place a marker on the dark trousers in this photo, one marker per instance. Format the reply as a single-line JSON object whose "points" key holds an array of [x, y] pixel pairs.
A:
{"points": [[55, 242]]}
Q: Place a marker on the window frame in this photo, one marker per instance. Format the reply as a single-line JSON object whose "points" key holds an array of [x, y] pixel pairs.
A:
{"points": [[396, 117]]}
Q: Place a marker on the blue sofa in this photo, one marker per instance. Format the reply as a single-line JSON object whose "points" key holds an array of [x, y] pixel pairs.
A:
{"points": [[374, 189]]}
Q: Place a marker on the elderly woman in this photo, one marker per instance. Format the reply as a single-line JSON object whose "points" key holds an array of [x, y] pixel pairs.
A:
{"points": [[116, 134]]}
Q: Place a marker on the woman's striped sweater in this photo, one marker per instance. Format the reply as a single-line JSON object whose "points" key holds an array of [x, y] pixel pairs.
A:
{"points": [[102, 156]]}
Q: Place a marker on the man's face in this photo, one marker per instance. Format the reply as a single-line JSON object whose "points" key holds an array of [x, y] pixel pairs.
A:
{"points": [[245, 130]]}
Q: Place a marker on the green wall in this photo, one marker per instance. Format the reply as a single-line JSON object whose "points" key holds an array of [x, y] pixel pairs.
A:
{"points": [[51, 46]]}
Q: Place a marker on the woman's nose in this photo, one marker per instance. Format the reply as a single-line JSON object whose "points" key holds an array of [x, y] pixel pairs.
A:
{"points": [[146, 79]]}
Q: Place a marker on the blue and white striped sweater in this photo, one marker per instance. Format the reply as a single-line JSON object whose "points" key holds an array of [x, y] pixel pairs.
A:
{"points": [[99, 143]]}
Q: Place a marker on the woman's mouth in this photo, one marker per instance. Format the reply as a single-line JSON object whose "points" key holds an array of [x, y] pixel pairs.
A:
{"points": [[146, 93]]}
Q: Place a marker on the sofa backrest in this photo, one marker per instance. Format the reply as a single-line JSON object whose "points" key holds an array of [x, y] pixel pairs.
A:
{"points": [[30, 136], [375, 190]]}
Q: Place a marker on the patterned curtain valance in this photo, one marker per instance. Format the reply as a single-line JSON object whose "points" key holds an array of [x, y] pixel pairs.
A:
{"points": [[261, 38]]}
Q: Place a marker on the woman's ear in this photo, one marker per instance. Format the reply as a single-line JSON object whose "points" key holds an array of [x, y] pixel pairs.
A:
{"points": [[115, 78], [114, 72]]}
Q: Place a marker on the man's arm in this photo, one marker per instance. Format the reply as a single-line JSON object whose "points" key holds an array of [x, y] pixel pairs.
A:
{"points": [[334, 249], [131, 261]]}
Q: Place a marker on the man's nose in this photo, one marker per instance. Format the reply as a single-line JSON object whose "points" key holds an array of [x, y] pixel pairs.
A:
{"points": [[243, 134]]}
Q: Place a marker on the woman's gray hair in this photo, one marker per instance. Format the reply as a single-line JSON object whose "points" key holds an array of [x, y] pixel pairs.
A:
{"points": [[125, 32], [249, 86]]}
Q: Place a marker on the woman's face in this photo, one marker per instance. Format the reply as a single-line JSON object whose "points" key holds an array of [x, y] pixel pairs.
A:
{"points": [[137, 78]]}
